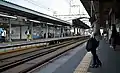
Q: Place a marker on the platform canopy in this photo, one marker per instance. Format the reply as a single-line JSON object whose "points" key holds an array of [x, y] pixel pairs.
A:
{"points": [[103, 9], [79, 23], [13, 9]]}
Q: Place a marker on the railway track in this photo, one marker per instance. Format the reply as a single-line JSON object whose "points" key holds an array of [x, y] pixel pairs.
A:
{"points": [[27, 61], [6, 56]]}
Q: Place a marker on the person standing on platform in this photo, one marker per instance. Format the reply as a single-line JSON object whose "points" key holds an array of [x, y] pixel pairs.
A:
{"points": [[3, 35], [28, 35], [1, 30], [42, 34], [113, 36], [96, 61], [94, 42]]}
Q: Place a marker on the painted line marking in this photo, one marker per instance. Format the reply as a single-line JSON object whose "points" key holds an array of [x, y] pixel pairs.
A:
{"points": [[84, 64]]}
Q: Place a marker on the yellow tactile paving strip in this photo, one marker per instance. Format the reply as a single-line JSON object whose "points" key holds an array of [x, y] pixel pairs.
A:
{"points": [[84, 64]]}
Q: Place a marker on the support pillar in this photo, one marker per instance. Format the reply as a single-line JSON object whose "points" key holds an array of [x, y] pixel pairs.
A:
{"points": [[77, 31], [63, 31], [54, 31], [70, 30], [31, 30], [20, 32], [74, 30], [112, 21], [91, 8], [60, 31], [10, 31], [46, 31], [80, 31]]}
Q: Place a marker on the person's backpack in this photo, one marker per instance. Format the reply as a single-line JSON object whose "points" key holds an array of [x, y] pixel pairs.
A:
{"points": [[89, 45], [92, 43]]}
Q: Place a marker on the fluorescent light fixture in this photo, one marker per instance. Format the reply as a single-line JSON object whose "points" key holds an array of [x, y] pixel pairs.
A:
{"points": [[59, 25], [50, 24], [53, 24], [35, 21], [8, 16]]}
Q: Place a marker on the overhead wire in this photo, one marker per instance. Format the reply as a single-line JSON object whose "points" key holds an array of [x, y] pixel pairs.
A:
{"points": [[39, 5], [49, 9]]}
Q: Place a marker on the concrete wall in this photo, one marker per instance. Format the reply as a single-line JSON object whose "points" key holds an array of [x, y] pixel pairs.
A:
{"points": [[23, 29], [16, 32]]}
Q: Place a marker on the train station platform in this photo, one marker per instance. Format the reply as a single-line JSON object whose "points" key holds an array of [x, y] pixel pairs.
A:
{"points": [[8, 46], [72, 59], [110, 59], [66, 63]]}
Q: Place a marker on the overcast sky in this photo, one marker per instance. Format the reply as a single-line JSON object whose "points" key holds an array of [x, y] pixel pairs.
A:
{"points": [[55, 7]]}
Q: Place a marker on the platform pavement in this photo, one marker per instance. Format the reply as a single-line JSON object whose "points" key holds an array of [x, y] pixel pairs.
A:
{"points": [[2, 50], [66, 63], [110, 59], [37, 40]]}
